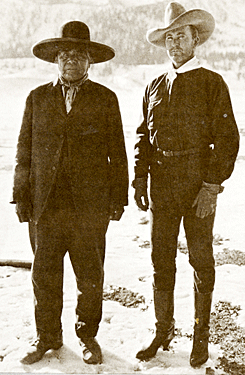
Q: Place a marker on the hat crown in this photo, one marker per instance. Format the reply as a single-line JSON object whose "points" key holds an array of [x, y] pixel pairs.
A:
{"points": [[73, 34], [173, 10], [75, 30]]}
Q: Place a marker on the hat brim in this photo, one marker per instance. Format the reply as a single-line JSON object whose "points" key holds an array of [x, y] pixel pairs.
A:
{"points": [[47, 49], [202, 20]]}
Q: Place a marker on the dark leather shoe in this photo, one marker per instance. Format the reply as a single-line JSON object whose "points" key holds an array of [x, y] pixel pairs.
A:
{"points": [[91, 351], [38, 349]]}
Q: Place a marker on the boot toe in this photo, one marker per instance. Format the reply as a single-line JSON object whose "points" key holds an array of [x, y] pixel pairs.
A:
{"points": [[37, 351], [150, 352], [199, 354], [33, 355], [196, 361], [31, 358], [145, 356]]}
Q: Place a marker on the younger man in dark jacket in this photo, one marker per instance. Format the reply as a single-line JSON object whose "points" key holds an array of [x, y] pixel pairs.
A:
{"points": [[187, 141]]}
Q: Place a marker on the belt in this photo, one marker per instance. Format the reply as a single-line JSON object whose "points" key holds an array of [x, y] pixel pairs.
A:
{"points": [[169, 153]]}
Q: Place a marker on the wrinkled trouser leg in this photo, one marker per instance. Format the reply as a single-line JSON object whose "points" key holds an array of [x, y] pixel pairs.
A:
{"points": [[164, 238], [199, 236], [87, 258], [164, 234], [48, 239], [59, 231]]}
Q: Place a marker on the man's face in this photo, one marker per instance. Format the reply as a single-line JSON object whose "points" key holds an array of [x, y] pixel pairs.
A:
{"points": [[180, 45], [73, 64]]}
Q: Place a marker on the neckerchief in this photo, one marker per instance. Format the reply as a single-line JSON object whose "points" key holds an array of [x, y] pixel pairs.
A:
{"points": [[172, 73], [70, 90]]}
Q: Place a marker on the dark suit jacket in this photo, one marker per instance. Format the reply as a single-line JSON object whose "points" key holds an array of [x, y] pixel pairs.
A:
{"points": [[96, 149]]}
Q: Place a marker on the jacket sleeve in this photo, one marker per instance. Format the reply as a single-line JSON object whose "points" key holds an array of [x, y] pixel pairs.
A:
{"points": [[21, 187], [142, 146], [117, 155], [225, 136]]}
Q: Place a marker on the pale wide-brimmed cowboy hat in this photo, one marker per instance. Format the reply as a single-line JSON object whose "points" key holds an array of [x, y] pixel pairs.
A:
{"points": [[74, 34], [176, 16]]}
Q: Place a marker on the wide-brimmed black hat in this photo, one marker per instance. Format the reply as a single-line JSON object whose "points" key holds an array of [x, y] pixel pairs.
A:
{"points": [[176, 16], [73, 34]]}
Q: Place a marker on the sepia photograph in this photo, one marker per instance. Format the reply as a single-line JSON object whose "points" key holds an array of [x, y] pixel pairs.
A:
{"points": [[122, 178]]}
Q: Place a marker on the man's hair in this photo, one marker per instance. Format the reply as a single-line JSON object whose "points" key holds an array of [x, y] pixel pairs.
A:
{"points": [[90, 59], [194, 33]]}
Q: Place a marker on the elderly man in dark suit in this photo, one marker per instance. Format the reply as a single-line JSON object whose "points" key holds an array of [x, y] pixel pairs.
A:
{"points": [[71, 179], [187, 141]]}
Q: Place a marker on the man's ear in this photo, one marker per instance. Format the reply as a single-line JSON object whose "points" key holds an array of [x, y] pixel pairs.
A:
{"points": [[196, 41], [88, 64]]}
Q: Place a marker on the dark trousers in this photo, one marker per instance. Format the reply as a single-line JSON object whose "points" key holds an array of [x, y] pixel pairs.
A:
{"points": [[165, 224], [59, 231]]}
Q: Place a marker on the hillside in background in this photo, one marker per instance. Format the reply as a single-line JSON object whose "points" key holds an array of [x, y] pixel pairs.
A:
{"points": [[122, 24]]}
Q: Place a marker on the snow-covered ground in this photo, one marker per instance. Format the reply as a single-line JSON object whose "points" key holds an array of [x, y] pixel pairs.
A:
{"points": [[123, 330]]}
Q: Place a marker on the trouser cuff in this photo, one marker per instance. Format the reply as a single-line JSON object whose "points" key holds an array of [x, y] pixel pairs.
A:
{"points": [[84, 330]]}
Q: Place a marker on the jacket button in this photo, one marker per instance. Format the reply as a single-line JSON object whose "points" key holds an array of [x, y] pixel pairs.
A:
{"points": [[53, 168]]}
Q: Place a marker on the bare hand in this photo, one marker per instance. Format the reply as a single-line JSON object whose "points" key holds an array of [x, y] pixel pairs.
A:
{"points": [[23, 211], [116, 212]]}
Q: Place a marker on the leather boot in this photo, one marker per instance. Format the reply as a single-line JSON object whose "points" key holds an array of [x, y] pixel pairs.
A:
{"points": [[40, 346], [164, 309], [199, 354], [91, 351]]}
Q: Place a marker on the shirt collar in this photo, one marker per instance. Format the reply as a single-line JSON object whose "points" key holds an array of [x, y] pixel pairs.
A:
{"points": [[189, 65], [56, 81]]}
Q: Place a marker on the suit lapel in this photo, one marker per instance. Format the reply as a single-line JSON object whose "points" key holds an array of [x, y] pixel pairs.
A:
{"points": [[81, 99], [58, 103], [57, 100]]}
